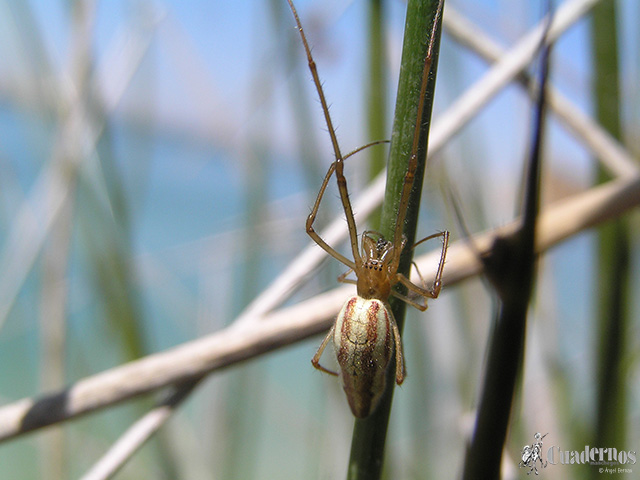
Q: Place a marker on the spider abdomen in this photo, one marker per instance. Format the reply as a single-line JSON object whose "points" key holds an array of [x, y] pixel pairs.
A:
{"points": [[364, 343]]}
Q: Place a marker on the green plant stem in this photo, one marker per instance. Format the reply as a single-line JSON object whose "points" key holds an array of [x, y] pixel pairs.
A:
{"points": [[369, 434], [376, 94], [613, 277]]}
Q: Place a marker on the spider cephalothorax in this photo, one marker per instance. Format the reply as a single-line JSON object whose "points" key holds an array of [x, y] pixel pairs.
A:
{"points": [[375, 278]]}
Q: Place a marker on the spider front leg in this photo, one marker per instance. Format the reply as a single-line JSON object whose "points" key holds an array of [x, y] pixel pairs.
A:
{"points": [[312, 218], [337, 166], [347, 207]]}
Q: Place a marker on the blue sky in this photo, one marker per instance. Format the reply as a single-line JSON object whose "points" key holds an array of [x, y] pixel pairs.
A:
{"points": [[225, 42]]}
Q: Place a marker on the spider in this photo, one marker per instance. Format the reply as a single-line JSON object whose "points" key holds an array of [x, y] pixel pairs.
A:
{"points": [[365, 334]]}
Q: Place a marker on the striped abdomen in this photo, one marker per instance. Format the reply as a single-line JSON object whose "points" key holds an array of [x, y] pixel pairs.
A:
{"points": [[364, 344]]}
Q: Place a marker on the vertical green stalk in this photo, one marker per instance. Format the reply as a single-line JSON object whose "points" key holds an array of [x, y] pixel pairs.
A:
{"points": [[376, 93], [369, 434], [613, 276]]}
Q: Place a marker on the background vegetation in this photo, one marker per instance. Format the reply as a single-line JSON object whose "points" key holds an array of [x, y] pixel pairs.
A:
{"points": [[157, 162]]}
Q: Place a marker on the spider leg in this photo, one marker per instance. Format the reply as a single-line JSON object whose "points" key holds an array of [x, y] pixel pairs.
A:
{"points": [[315, 361], [400, 372], [415, 265], [408, 300], [359, 149], [431, 292], [434, 290], [435, 235], [343, 278], [348, 211], [372, 232], [338, 165], [312, 217], [413, 158], [402, 208]]}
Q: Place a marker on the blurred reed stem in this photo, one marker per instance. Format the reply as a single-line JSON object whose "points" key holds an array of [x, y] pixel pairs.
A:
{"points": [[510, 267], [369, 435], [57, 251], [244, 412]]}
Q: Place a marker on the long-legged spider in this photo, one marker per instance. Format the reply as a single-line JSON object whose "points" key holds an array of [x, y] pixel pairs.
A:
{"points": [[365, 334]]}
